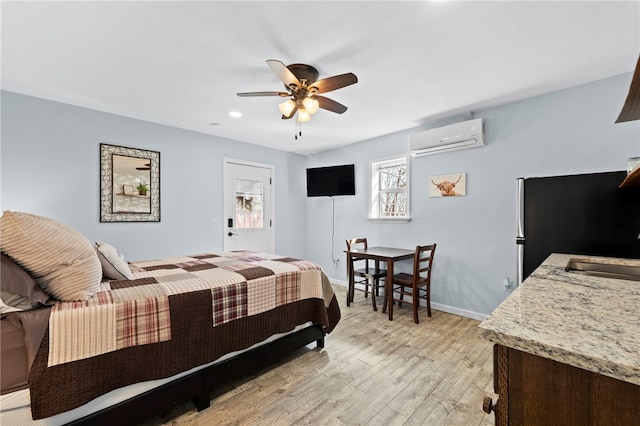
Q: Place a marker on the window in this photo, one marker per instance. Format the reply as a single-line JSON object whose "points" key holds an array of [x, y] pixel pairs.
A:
{"points": [[390, 189], [249, 195]]}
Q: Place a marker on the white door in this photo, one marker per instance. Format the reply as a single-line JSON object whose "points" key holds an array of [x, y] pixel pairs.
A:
{"points": [[248, 194]]}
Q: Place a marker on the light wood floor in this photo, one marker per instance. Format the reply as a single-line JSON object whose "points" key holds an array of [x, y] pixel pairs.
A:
{"points": [[371, 372]]}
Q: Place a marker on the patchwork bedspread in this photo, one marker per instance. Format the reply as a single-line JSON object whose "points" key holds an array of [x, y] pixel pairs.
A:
{"points": [[173, 315]]}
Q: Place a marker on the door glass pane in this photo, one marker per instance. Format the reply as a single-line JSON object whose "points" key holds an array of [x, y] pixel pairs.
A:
{"points": [[249, 203]]}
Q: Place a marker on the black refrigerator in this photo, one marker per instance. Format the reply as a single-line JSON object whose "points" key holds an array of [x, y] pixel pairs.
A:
{"points": [[576, 214]]}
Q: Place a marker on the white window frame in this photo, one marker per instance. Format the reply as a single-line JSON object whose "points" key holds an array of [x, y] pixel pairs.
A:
{"points": [[374, 178]]}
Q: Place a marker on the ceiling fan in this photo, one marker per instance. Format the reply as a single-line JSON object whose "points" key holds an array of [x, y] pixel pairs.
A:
{"points": [[303, 88]]}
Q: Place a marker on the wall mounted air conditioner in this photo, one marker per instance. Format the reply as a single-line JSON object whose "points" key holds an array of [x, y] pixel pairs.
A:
{"points": [[463, 135]]}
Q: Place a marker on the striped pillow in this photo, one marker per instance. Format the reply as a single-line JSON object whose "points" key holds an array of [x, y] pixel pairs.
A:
{"points": [[61, 259]]}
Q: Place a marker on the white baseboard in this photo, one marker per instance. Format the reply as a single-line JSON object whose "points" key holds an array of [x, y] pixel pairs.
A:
{"points": [[460, 312], [438, 306]]}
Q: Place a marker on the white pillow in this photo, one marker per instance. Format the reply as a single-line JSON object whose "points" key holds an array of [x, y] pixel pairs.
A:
{"points": [[59, 258], [114, 266]]}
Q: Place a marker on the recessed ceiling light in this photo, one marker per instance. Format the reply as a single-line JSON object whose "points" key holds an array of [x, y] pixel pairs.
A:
{"points": [[235, 114]]}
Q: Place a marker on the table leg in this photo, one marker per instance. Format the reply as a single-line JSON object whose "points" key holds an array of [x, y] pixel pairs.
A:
{"points": [[349, 279], [388, 289]]}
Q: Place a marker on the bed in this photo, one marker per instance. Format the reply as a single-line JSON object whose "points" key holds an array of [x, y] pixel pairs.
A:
{"points": [[153, 333]]}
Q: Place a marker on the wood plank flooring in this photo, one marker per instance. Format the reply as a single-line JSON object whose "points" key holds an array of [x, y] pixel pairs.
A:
{"points": [[371, 372]]}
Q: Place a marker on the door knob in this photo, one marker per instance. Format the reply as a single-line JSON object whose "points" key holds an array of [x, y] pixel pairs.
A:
{"points": [[231, 233], [488, 405]]}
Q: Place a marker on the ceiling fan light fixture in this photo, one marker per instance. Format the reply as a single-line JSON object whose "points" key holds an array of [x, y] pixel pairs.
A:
{"points": [[303, 115], [311, 105], [303, 89], [286, 107]]}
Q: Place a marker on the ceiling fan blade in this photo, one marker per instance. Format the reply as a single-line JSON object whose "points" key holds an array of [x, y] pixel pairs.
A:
{"points": [[284, 73], [293, 112], [247, 94], [336, 82], [330, 105]]}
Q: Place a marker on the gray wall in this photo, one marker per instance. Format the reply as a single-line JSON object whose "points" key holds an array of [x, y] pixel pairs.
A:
{"points": [[566, 132], [50, 166], [49, 160]]}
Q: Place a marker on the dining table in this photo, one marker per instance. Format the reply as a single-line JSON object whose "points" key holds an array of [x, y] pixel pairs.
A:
{"points": [[389, 255]]}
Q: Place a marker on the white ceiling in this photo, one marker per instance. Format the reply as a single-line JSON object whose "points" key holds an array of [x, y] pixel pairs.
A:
{"points": [[182, 63]]}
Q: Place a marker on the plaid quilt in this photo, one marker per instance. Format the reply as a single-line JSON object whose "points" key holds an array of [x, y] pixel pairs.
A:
{"points": [[174, 314]]}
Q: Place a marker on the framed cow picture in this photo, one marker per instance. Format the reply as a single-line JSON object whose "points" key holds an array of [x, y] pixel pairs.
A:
{"points": [[451, 185]]}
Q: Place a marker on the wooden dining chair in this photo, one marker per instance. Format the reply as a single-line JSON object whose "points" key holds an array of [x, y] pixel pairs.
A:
{"points": [[371, 275], [418, 284]]}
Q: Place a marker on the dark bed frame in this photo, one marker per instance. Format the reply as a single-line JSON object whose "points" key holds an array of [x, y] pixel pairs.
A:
{"points": [[198, 385]]}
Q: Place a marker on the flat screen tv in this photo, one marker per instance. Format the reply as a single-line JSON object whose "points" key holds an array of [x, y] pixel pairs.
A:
{"points": [[331, 181]]}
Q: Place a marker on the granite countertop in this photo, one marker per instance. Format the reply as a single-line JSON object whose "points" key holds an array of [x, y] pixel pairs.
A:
{"points": [[589, 322]]}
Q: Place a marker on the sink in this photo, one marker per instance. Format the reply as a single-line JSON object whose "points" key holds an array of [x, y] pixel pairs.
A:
{"points": [[623, 272]]}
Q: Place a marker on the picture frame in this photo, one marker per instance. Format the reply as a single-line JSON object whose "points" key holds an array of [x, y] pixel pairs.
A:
{"points": [[129, 184], [450, 185]]}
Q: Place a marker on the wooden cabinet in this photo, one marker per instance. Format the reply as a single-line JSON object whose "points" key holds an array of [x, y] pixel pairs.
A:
{"points": [[538, 391]]}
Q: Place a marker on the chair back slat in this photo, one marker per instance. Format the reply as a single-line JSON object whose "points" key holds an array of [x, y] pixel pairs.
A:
{"points": [[356, 243], [370, 277], [418, 285], [422, 262]]}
